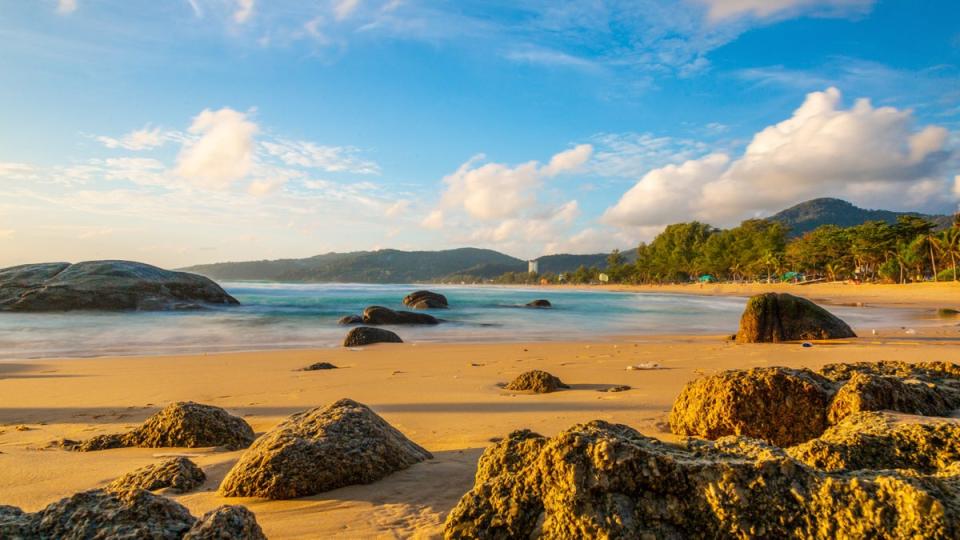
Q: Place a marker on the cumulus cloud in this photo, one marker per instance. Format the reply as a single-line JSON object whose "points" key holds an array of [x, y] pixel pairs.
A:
{"points": [[224, 151], [141, 139], [434, 220], [870, 155], [244, 11], [718, 10], [66, 7]]}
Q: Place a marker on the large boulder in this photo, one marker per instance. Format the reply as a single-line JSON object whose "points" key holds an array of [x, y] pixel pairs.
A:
{"points": [[777, 317], [319, 450], [864, 392], [780, 405], [425, 300], [365, 335], [601, 480], [536, 381], [183, 424], [127, 515], [874, 440], [381, 315], [178, 474], [105, 285]]}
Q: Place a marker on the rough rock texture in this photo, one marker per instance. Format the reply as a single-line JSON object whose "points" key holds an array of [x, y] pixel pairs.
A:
{"points": [[601, 480], [179, 474], [347, 320], [941, 373], [126, 515], [184, 424], [539, 304], [365, 335], [536, 381], [425, 300], [105, 285], [872, 440], [865, 392], [780, 405], [319, 366], [319, 450], [226, 523], [776, 317], [382, 315]]}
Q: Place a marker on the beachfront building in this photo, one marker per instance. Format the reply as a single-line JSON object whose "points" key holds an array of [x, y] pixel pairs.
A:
{"points": [[533, 267]]}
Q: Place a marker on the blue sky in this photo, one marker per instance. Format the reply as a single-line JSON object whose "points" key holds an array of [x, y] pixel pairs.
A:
{"points": [[190, 131]]}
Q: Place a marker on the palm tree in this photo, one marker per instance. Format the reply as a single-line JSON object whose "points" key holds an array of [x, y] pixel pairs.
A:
{"points": [[950, 246]]}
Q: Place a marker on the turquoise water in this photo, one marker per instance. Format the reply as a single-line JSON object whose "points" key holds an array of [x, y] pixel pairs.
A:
{"points": [[275, 315]]}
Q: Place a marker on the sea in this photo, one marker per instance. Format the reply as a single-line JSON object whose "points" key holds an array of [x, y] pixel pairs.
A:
{"points": [[284, 315]]}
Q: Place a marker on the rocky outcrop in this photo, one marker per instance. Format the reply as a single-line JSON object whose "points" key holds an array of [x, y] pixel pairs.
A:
{"points": [[539, 304], [380, 315], [786, 406], [348, 320], [105, 285], [184, 424], [226, 523], [777, 317], [601, 480], [319, 450], [365, 335], [873, 440], [425, 300], [131, 514], [536, 381], [780, 405], [178, 474]]}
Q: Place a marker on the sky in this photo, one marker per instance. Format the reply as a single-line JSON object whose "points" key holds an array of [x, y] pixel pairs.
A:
{"points": [[192, 131]]}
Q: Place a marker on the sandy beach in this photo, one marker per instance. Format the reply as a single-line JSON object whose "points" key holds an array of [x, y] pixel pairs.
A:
{"points": [[443, 396]]}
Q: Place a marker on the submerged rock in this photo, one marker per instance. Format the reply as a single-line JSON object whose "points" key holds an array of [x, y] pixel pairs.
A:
{"points": [[319, 450], [777, 317], [178, 474], [779, 405], [601, 480], [536, 381], [226, 523], [105, 285], [539, 304], [347, 320], [184, 424], [365, 335], [382, 315], [425, 300], [873, 440]]}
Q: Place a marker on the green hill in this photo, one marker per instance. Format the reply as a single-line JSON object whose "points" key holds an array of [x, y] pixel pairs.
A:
{"points": [[811, 214]]}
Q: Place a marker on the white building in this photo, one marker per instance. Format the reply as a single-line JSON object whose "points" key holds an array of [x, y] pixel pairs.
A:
{"points": [[533, 267]]}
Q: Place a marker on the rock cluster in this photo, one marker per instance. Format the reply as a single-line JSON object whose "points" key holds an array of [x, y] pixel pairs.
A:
{"points": [[777, 317], [101, 515], [319, 450], [788, 406], [601, 480], [365, 335], [184, 424], [105, 285], [539, 304], [425, 300], [178, 474], [536, 381], [380, 315]]}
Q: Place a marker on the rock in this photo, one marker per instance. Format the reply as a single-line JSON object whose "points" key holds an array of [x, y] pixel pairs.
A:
{"points": [[365, 335], [425, 300], [347, 320], [948, 313], [601, 480], [777, 317], [864, 392], [382, 315], [539, 304], [226, 523], [319, 366], [128, 515], [536, 381], [779, 405], [105, 285], [872, 440], [941, 373], [184, 424], [319, 450], [178, 474]]}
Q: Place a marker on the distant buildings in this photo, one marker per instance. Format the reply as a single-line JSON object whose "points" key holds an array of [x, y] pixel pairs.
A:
{"points": [[533, 267]]}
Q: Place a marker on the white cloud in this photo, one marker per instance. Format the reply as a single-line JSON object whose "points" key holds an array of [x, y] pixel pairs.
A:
{"points": [[397, 209], [66, 7], [434, 220], [327, 158], [871, 155], [569, 160], [223, 153], [244, 11], [9, 169], [343, 8], [141, 139], [718, 10]]}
